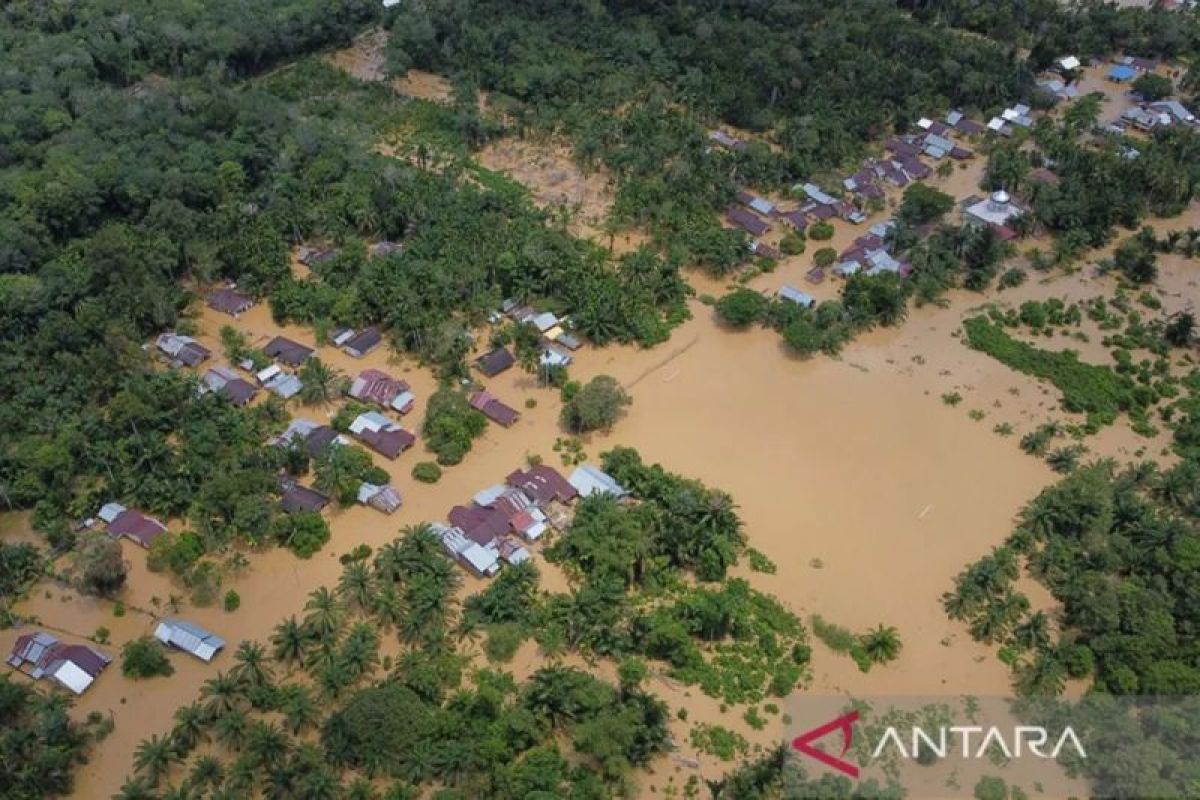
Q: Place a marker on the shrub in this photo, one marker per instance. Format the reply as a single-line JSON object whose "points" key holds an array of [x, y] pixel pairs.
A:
{"points": [[824, 257], [426, 472], [100, 566], [145, 658], [232, 601], [742, 308], [596, 406], [792, 244], [503, 641], [820, 232]]}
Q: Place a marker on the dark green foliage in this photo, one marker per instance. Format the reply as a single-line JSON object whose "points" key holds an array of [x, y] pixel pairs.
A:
{"points": [[100, 565], [20, 565], [426, 472], [742, 307], [1085, 387], [595, 406], [39, 743], [305, 532], [451, 425], [1151, 87], [145, 657], [923, 204]]}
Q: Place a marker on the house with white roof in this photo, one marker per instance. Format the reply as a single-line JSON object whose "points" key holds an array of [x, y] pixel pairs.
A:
{"points": [[190, 638], [589, 480]]}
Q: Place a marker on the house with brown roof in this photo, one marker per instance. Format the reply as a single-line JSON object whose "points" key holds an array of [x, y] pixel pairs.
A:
{"points": [[126, 523], [287, 351], [230, 301], [72, 666], [363, 342], [543, 484], [381, 498], [493, 362], [227, 383], [381, 434], [376, 386], [296, 497], [182, 350], [494, 409], [745, 220]]}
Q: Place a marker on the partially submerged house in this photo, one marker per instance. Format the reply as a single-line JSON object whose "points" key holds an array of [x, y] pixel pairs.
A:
{"points": [[287, 351], [229, 384], [745, 220], [363, 342], [381, 498], [381, 434], [312, 437], [127, 523], [481, 561], [376, 386], [723, 139], [543, 484], [493, 362], [589, 480], [495, 410], [296, 497], [553, 357], [182, 350], [794, 295], [72, 666], [188, 637], [274, 379], [230, 301]]}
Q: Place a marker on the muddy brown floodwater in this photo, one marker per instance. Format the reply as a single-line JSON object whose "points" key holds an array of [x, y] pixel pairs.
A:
{"points": [[865, 489]]}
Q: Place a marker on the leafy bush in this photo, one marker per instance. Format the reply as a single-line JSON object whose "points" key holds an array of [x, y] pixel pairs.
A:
{"points": [[820, 232], [426, 472], [742, 308], [596, 406], [145, 657]]}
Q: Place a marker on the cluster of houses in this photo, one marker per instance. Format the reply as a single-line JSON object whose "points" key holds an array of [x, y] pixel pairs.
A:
{"points": [[75, 667], [996, 211], [871, 254], [557, 340], [372, 429], [1160, 114], [229, 383], [498, 523], [180, 350]]}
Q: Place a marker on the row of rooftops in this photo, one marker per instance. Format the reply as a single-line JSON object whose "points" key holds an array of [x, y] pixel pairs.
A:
{"points": [[491, 528], [76, 666]]}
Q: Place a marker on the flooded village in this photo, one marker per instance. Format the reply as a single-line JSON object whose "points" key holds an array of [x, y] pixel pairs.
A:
{"points": [[867, 491]]}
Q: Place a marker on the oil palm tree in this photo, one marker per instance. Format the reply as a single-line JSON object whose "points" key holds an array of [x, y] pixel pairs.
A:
{"points": [[1034, 632], [231, 728], [267, 744], [321, 382], [154, 757], [882, 644], [251, 669], [356, 586], [324, 613], [387, 607], [299, 709], [190, 724], [389, 562], [207, 773], [136, 789], [290, 641], [222, 694]]}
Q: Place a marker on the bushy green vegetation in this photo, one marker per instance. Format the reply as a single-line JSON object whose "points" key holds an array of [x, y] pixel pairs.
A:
{"points": [[1115, 548], [595, 406], [451, 425], [145, 657], [39, 742], [1085, 387]]}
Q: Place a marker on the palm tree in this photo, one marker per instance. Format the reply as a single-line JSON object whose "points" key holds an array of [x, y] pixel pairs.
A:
{"points": [[389, 562], [325, 613], [360, 652], [319, 785], [231, 729], [154, 757], [356, 586], [1034, 632], [289, 641], [251, 669], [299, 709], [387, 607], [223, 694], [882, 644], [322, 383], [1045, 676], [135, 789], [267, 744], [207, 772], [190, 723]]}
